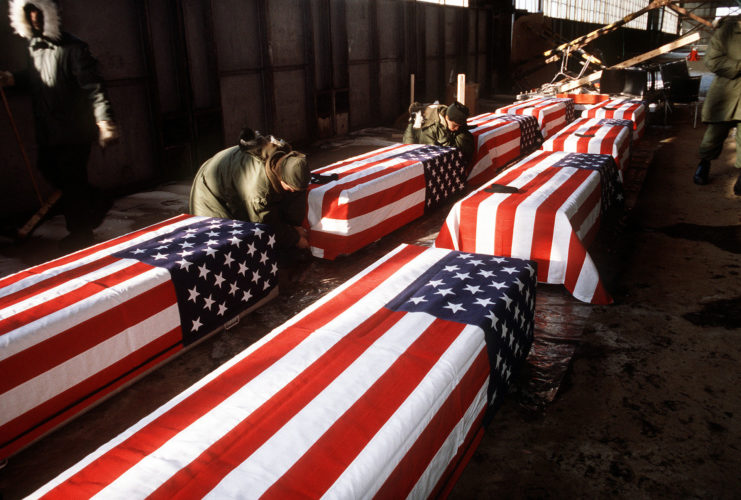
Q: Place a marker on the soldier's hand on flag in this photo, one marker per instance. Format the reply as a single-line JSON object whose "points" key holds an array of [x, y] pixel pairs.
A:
{"points": [[303, 237]]}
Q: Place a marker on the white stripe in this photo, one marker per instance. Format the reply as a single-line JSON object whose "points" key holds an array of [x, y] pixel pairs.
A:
{"points": [[64, 476], [65, 287], [393, 441], [447, 452], [591, 219], [294, 439], [557, 261], [524, 224], [361, 159], [372, 219], [157, 467], [393, 177], [37, 331], [28, 395], [587, 282], [451, 224], [563, 228], [54, 271]]}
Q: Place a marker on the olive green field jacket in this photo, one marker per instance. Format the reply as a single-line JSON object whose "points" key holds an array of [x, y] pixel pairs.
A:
{"points": [[723, 57], [434, 131], [233, 184]]}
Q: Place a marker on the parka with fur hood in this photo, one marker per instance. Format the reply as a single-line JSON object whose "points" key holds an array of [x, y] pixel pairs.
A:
{"points": [[68, 93]]}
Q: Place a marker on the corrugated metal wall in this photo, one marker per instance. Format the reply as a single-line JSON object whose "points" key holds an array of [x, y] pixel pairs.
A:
{"points": [[186, 75]]}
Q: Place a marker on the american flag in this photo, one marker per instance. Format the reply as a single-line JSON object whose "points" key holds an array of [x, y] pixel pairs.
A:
{"points": [[377, 389], [595, 135], [499, 140], [552, 113], [77, 328], [551, 219], [625, 109], [379, 192]]}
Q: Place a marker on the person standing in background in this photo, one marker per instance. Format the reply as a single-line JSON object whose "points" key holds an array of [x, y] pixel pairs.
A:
{"points": [[721, 111], [71, 110]]}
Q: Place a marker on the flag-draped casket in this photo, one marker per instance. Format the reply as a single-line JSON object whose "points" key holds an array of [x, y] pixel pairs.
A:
{"points": [[377, 389], [78, 328], [608, 136], [546, 208], [378, 192], [552, 113], [621, 108], [500, 139]]}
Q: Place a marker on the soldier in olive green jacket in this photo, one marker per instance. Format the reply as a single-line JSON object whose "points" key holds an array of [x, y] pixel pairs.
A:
{"points": [[440, 125], [260, 180], [721, 111]]}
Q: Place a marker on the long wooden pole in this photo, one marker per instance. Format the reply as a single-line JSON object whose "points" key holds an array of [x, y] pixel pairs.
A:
{"points": [[20, 145], [29, 226]]}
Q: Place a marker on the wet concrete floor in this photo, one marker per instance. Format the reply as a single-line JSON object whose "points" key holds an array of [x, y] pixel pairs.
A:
{"points": [[638, 399]]}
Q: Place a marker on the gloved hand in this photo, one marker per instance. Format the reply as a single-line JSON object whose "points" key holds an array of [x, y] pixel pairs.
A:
{"points": [[6, 79], [303, 237], [107, 133]]}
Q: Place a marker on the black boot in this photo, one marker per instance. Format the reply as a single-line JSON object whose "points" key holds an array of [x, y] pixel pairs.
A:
{"points": [[701, 174], [737, 186]]}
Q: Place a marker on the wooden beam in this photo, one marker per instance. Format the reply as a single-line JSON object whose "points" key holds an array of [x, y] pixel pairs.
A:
{"points": [[679, 42], [585, 39], [684, 12]]}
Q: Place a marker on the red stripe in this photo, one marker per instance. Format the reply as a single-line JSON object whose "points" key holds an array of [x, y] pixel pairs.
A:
{"points": [[401, 481], [592, 201], [22, 430], [444, 238], [576, 259], [367, 204], [507, 209], [359, 158], [582, 143], [558, 141], [607, 145], [578, 253], [64, 346], [545, 217], [469, 207], [345, 244], [53, 281], [102, 471], [330, 199], [85, 291], [205, 472], [453, 472], [321, 465], [88, 251]]}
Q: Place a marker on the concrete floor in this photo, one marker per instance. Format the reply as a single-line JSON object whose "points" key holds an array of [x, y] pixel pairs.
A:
{"points": [[638, 399]]}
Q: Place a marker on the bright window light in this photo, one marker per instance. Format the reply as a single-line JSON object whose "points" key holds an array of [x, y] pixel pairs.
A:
{"points": [[721, 12], [598, 11], [454, 3]]}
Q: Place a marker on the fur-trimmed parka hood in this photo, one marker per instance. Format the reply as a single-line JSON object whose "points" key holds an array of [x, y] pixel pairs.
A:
{"points": [[21, 25]]}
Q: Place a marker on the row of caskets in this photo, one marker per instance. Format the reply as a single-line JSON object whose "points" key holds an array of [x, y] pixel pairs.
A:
{"points": [[378, 389]]}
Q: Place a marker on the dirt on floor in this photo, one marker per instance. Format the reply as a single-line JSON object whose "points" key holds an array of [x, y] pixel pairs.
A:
{"points": [[650, 406], [637, 399]]}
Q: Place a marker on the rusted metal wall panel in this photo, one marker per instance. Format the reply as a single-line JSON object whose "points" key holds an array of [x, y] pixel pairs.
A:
{"points": [[187, 75], [290, 104]]}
